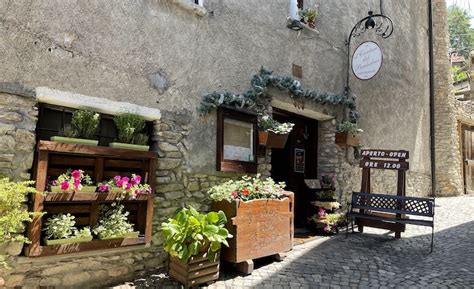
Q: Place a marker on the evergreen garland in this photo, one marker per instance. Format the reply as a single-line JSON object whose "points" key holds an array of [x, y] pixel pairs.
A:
{"points": [[258, 100]]}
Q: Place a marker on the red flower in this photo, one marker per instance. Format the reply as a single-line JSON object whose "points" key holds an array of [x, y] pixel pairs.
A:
{"points": [[234, 195], [245, 192]]}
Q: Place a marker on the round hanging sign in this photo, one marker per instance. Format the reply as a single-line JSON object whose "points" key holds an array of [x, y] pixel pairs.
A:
{"points": [[367, 60]]}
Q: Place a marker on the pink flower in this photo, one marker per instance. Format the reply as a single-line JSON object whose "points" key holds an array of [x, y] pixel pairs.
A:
{"points": [[136, 180], [76, 174], [77, 183], [120, 184], [128, 186], [125, 179], [117, 178], [103, 188], [327, 229], [64, 185], [234, 195], [322, 212], [136, 192]]}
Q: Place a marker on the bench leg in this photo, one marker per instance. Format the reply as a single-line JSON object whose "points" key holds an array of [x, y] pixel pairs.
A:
{"points": [[360, 228], [398, 235], [432, 239]]}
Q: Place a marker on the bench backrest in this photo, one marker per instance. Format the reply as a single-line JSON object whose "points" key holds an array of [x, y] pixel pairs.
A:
{"points": [[393, 204]]}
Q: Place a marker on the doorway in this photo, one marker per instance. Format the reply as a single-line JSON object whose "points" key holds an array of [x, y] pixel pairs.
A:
{"points": [[297, 161], [468, 157]]}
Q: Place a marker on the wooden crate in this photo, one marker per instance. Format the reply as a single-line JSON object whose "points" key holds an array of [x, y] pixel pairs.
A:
{"points": [[260, 228], [198, 270], [102, 164]]}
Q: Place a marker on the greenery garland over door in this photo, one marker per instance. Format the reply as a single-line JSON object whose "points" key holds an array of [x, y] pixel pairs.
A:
{"points": [[256, 99]]}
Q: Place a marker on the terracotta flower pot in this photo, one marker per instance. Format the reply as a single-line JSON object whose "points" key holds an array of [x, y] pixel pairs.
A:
{"points": [[271, 139], [347, 139]]}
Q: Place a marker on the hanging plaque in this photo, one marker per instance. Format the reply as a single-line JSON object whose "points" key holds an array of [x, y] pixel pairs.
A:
{"points": [[367, 60]]}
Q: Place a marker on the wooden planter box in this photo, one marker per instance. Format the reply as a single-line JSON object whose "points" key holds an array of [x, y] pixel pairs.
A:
{"points": [[260, 228], [127, 235], [344, 138], [102, 164], [271, 139], [198, 270], [85, 189]]}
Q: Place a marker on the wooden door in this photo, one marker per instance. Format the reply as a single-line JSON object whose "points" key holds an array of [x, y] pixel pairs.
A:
{"points": [[297, 161], [468, 154]]}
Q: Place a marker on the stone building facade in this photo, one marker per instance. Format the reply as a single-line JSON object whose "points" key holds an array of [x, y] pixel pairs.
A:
{"points": [[166, 55]]}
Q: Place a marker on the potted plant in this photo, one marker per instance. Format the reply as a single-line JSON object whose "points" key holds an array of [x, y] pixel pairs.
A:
{"points": [[60, 229], [129, 127], [272, 133], [308, 16], [83, 127], [113, 223], [13, 216], [125, 186], [193, 241], [261, 219], [73, 181], [346, 134], [327, 222]]}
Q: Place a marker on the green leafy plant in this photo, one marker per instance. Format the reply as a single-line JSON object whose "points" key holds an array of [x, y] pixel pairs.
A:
{"points": [[246, 189], [129, 128], [459, 74], [191, 232], [60, 226], [113, 221], [267, 123], [308, 15], [13, 213], [84, 124], [349, 127], [83, 233]]}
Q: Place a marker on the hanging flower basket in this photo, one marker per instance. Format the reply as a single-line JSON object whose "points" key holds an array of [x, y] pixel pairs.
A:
{"points": [[347, 139], [271, 139]]}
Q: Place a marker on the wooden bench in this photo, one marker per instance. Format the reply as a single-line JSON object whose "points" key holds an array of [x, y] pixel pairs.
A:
{"points": [[392, 209]]}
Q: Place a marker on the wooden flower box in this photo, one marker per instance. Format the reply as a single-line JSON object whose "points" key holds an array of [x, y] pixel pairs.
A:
{"points": [[347, 139], [198, 270], [260, 228], [102, 164], [271, 139]]}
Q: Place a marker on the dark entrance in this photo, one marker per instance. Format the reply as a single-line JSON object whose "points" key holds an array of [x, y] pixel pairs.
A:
{"points": [[302, 146]]}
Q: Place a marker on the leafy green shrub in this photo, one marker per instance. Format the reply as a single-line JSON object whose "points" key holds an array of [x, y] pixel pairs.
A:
{"points": [[191, 232], [84, 124], [349, 127], [13, 213], [60, 226], [113, 221], [129, 128], [84, 233]]}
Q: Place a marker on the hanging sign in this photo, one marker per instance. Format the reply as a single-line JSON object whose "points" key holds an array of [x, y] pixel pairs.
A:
{"points": [[367, 60]]}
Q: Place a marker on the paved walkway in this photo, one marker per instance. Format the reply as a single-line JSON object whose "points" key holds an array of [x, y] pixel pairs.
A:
{"points": [[373, 259]]}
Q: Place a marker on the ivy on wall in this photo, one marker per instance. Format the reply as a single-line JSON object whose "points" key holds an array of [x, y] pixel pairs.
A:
{"points": [[257, 99]]}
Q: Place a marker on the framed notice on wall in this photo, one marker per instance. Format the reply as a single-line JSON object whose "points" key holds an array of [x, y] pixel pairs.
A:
{"points": [[299, 160]]}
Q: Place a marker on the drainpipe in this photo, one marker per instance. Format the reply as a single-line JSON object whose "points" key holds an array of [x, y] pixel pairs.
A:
{"points": [[432, 99]]}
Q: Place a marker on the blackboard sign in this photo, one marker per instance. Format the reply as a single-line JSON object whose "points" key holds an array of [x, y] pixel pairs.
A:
{"points": [[389, 154], [384, 165]]}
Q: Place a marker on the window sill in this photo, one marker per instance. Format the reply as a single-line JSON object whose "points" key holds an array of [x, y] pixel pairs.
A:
{"points": [[292, 24], [196, 9]]}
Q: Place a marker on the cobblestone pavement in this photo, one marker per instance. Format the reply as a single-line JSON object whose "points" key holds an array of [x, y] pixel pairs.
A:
{"points": [[373, 259]]}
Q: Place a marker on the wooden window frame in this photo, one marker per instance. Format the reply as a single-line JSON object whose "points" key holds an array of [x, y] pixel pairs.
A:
{"points": [[222, 164]]}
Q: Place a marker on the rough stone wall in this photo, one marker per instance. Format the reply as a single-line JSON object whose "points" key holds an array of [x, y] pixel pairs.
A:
{"points": [[92, 269], [448, 160], [18, 116]]}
